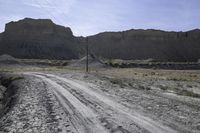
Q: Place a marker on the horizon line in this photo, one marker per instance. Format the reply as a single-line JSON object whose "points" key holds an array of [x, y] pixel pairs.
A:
{"points": [[183, 31]]}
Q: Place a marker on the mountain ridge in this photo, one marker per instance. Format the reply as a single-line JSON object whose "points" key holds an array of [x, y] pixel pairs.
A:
{"points": [[41, 38]]}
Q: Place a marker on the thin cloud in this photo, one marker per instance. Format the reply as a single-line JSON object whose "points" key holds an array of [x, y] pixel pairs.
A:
{"points": [[39, 6]]}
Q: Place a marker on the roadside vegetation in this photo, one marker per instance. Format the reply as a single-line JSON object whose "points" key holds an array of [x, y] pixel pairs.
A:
{"points": [[152, 64], [179, 82]]}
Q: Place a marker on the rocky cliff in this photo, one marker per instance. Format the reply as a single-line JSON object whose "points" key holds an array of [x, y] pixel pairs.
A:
{"points": [[145, 44], [38, 38], [41, 38]]}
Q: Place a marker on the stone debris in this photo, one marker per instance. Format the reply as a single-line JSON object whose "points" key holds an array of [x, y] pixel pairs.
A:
{"points": [[36, 111]]}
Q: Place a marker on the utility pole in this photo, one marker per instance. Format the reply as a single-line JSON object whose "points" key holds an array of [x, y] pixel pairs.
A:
{"points": [[87, 52]]}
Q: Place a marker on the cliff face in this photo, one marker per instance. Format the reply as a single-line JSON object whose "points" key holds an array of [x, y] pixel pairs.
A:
{"points": [[41, 38], [145, 44], [31, 38], [1, 37]]}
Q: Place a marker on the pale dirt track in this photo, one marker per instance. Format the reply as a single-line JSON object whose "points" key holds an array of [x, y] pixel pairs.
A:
{"points": [[76, 102], [92, 111]]}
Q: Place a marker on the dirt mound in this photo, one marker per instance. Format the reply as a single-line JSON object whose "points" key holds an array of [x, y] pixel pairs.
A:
{"points": [[92, 61], [7, 59]]}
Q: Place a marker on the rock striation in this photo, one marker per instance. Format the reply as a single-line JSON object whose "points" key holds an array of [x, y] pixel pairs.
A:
{"points": [[147, 44]]}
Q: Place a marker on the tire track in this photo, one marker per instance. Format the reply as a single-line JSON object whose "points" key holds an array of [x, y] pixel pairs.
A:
{"points": [[84, 119], [108, 117]]}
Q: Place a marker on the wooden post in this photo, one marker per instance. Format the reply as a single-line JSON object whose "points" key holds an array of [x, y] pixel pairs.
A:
{"points": [[87, 52]]}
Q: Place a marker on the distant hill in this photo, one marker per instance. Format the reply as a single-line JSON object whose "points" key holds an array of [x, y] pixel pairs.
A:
{"points": [[41, 38]]}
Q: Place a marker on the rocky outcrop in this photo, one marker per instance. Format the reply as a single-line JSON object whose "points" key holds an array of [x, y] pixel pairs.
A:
{"points": [[38, 38], [41, 38]]}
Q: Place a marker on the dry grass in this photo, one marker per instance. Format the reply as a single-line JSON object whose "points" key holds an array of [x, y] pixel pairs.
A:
{"points": [[183, 75]]}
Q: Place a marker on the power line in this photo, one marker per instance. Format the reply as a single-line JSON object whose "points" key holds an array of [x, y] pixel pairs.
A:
{"points": [[87, 53]]}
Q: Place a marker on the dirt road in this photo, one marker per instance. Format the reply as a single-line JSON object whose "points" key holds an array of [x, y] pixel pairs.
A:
{"points": [[87, 103], [93, 111]]}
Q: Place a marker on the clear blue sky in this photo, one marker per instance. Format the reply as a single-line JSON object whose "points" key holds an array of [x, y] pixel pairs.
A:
{"points": [[87, 17]]}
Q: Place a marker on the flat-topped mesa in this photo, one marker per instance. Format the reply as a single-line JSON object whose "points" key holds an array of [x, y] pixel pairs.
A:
{"points": [[33, 28], [152, 34], [38, 38]]}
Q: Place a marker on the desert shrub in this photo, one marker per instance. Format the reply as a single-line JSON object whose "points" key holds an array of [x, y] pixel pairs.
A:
{"points": [[119, 82], [188, 93]]}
